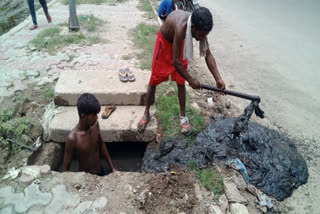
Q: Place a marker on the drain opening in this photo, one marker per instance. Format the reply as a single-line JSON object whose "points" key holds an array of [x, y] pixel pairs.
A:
{"points": [[126, 157]]}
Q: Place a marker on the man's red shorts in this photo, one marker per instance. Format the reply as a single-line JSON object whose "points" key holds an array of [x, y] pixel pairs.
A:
{"points": [[162, 65]]}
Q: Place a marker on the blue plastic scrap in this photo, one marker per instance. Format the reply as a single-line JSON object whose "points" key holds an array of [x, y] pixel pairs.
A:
{"points": [[238, 165]]}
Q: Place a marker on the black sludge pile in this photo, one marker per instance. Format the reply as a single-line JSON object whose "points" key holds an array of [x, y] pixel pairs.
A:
{"points": [[272, 161]]}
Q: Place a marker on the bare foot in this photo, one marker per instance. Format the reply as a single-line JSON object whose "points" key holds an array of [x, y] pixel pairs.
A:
{"points": [[33, 27], [49, 18]]}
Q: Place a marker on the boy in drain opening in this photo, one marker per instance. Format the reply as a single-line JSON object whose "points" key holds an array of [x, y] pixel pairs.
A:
{"points": [[86, 140]]}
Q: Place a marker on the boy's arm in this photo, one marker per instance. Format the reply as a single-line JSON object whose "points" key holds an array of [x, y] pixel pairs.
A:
{"points": [[212, 66], [176, 60], [105, 151], [70, 142]]}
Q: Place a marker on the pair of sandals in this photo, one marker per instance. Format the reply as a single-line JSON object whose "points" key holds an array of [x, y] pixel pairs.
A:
{"points": [[184, 123], [126, 75], [108, 110]]}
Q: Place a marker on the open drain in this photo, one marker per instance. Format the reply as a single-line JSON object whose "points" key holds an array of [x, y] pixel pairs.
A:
{"points": [[126, 157]]}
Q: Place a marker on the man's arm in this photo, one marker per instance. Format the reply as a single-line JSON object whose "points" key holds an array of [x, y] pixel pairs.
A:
{"points": [[177, 48], [212, 66], [105, 151], [70, 143]]}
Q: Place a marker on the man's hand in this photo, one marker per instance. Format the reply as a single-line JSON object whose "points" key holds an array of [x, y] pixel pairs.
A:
{"points": [[220, 84], [194, 83]]}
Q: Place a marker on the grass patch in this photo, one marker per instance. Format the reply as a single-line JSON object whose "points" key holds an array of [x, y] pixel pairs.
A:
{"points": [[145, 38], [145, 6], [48, 94], [50, 40], [127, 57], [112, 2], [209, 178], [13, 128], [168, 114], [89, 22]]}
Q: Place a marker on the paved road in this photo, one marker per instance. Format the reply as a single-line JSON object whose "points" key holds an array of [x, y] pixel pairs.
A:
{"points": [[271, 48], [280, 54]]}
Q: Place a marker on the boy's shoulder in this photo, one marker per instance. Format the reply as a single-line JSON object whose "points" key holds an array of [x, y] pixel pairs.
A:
{"points": [[72, 136]]}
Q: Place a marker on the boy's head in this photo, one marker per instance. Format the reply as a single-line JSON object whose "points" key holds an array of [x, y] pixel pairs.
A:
{"points": [[88, 108], [202, 23]]}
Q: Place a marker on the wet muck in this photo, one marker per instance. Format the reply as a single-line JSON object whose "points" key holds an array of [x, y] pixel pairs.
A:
{"points": [[272, 161]]}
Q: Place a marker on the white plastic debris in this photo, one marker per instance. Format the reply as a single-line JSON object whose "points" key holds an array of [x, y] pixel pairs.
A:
{"points": [[264, 200], [51, 111], [12, 173], [210, 101], [37, 144]]}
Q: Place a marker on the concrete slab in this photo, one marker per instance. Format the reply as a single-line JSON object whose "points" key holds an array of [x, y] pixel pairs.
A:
{"points": [[104, 84], [121, 126]]}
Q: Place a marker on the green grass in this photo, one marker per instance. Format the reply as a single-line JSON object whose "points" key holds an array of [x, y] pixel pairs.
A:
{"points": [[89, 22], [168, 114], [48, 94], [111, 2], [209, 178], [13, 128], [6, 115], [50, 40], [127, 57], [145, 38], [145, 6]]}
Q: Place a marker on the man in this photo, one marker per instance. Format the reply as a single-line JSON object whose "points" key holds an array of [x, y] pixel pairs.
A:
{"points": [[165, 8], [168, 58], [85, 139]]}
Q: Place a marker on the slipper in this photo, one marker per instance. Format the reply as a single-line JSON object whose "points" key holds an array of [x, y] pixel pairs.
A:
{"points": [[185, 126], [49, 19], [142, 125], [123, 75], [130, 75], [108, 110], [33, 27]]}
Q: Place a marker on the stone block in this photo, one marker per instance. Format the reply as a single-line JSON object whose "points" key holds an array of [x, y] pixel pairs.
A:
{"points": [[62, 200], [100, 203], [104, 84], [33, 196], [237, 208], [232, 192], [121, 126]]}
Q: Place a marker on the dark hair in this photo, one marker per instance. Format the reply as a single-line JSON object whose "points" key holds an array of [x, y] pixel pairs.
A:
{"points": [[88, 104], [202, 19]]}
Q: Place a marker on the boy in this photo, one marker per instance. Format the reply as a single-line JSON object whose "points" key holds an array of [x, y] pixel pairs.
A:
{"points": [[86, 140]]}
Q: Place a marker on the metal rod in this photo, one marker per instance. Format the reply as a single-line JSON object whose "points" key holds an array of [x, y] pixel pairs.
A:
{"points": [[232, 93], [23, 146]]}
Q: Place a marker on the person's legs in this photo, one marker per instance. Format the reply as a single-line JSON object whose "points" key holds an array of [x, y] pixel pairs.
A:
{"points": [[184, 121], [33, 14], [45, 9], [149, 101], [182, 99]]}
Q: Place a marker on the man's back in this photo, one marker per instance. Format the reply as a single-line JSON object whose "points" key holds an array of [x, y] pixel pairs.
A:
{"points": [[176, 22]]}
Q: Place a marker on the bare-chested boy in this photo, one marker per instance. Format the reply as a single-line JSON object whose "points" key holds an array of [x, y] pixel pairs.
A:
{"points": [[85, 138], [168, 58]]}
